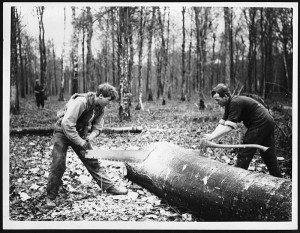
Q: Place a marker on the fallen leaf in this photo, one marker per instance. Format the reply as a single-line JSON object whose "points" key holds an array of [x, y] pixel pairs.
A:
{"points": [[85, 179], [24, 196], [34, 187], [133, 195]]}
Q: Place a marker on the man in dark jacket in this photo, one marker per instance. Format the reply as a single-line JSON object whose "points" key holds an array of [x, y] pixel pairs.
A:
{"points": [[257, 119], [39, 94], [71, 129]]}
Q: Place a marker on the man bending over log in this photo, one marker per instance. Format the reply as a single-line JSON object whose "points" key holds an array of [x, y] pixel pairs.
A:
{"points": [[257, 119], [71, 129]]}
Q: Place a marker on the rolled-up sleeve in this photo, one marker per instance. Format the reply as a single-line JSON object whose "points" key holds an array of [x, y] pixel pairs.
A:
{"points": [[222, 122], [74, 110], [232, 115], [231, 124]]}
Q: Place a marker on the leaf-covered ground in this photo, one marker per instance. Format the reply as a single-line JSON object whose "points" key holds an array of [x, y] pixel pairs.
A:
{"points": [[80, 198]]}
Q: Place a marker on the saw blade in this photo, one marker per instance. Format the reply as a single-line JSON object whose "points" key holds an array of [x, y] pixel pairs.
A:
{"points": [[131, 156]]}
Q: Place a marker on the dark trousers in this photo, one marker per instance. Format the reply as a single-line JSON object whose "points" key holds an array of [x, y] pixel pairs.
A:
{"points": [[263, 136], [58, 165], [40, 100]]}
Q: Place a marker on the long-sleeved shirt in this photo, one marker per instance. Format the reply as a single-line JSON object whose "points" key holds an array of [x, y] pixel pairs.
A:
{"points": [[78, 114]]}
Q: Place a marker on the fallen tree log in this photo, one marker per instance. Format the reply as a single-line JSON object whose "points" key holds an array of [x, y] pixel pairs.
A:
{"points": [[49, 130], [212, 190]]}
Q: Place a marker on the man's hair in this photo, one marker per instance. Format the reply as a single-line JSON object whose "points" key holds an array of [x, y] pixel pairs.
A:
{"points": [[221, 89], [107, 90]]}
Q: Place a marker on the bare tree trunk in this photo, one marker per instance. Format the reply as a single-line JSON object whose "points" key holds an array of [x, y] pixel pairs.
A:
{"points": [[83, 61], [183, 81], [189, 84], [131, 50], [167, 65], [19, 39], [198, 50], [158, 69], [262, 46], [214, 61], [140, 80], [62, 85], [89, 55], [270, 19], [251, 22], [113, 48], [55, 77], [75, 41], [42, 48], [149, 92], [227, 46], [124, 108], [164, 56], [14, 93]]}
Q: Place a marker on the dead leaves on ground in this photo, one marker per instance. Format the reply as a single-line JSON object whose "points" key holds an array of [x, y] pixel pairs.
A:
{"points": [[80, 197]]}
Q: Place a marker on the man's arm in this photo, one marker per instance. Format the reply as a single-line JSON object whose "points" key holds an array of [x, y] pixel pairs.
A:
{"points": [[74, 110], [97, 126], [222, 128]]}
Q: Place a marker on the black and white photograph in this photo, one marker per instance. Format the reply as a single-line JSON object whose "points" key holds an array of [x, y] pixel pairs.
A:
{"points": [[159, 115]]}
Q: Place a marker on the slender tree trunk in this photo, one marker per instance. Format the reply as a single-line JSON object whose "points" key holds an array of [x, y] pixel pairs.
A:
{"points": [[231, 48], [14, 93], [212, 83], [83, 61], [227, 46], [89, 56], [54, 66], [131, 52], [19, 39], [140, 80], [62, 85], [262, 45], [183, 81], [75, 42], [164, 58], [190, 66], [166, 70], [198, 50], [269, 47], [149, 92], [42, 48], [124, 108], [113, 48], [158, 69]]}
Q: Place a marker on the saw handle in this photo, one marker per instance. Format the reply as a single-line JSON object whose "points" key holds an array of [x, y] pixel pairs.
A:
{"points": [[212, 144]]}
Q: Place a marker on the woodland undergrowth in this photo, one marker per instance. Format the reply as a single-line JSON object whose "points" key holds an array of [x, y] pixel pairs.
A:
{"points": [[181, 123]]}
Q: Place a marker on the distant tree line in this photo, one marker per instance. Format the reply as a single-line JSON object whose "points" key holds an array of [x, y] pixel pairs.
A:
{"points": [[146, 54]]}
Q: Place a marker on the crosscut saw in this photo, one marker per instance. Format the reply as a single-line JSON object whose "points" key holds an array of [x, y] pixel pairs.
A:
{"points": [[139, 156], [131, 156]]}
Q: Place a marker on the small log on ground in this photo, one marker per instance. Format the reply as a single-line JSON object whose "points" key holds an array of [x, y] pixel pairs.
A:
{"points": [[49, 130], [212, 190]]}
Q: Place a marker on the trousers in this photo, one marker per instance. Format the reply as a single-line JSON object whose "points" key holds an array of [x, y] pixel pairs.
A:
{"points": [[263, 135], [40, 100], [58, 165]]}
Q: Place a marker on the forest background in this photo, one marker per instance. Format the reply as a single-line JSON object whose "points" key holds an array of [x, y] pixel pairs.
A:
{"points": [[152, 54]]}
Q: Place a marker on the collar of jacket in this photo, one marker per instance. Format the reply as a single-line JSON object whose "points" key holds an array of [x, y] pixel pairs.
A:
{"points": [[90, 96]]}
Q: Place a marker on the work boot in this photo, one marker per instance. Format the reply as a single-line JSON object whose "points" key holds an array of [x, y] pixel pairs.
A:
{"points": [[117, 190], [50, 203]]}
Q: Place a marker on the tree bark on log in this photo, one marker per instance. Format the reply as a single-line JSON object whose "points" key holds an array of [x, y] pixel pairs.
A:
{"points": [[49, 130], [212, 190]]}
